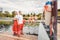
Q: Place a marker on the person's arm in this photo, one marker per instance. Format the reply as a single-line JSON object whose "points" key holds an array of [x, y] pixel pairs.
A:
{"points": [[15, 18], [29, 19]]}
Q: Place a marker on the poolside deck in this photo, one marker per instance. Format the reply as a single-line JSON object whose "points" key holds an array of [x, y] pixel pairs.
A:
{"points": [[58, 31], [8, 36]]}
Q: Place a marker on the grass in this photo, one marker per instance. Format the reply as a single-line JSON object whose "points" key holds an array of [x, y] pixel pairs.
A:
{"points": [[6, 22], [32, 24], [58, 13]]}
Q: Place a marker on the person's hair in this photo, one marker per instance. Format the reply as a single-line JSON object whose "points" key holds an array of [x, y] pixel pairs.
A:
{"points": [[20, 13], [15, 12]]}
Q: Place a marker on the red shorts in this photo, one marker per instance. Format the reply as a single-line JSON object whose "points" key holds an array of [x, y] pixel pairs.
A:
{"points": [[15, 24], [20, 27], [16, 27]]}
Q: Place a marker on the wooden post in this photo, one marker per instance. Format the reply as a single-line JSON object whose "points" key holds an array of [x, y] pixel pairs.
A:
{"points": [[54, 12]]}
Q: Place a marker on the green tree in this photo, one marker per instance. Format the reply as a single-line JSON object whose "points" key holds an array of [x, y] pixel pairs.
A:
{"points": [[0, 11], [23, 15], [28, 15], [58, 9], [34, 14], [7, 14], [1, 14], [13, 13]]}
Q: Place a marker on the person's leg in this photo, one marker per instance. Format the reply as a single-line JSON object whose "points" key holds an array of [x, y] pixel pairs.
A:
{"points": [[14, 31], [18, 33], [19, 30], [15, 28], [22, 28]]}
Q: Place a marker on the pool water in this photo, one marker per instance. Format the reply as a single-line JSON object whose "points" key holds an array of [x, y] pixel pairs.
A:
{"points": [[28, 28]]}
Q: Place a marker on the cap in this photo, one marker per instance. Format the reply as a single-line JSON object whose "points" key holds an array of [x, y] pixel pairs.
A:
{"points": [[48, 3]]}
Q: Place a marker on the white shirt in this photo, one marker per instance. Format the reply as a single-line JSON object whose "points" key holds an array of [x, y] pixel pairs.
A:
{"points": [[16, 17], [19, 19]]}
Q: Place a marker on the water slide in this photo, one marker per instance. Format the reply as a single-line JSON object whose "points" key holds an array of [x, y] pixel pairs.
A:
{"points": [[42, 33]]}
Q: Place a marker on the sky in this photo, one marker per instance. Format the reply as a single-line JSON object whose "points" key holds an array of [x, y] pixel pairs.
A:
{"points": [[26, 6]]}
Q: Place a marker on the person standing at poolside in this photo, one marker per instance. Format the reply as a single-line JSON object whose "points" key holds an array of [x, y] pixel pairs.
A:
{"points": [[15, 23], [20, 23]]}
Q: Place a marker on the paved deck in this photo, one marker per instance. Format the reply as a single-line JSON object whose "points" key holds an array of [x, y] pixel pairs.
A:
{"points": [[6, 36], [58, 31]]}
